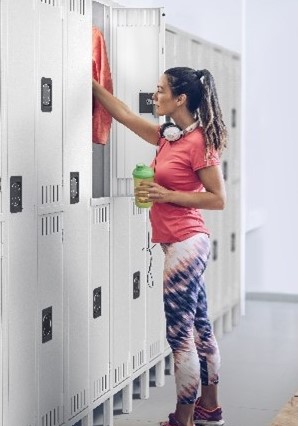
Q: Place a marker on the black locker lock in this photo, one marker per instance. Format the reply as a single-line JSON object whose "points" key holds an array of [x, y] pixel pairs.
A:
{"points": [[146, 105], [233, 242], [136, 284], [74, 187], [97, 302], [47, 324], [46, 94], [234, 117], [214, 250], [16, 194]]}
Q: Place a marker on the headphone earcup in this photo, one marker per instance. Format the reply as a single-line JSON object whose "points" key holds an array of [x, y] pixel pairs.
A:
{"points": [[170, 131]]}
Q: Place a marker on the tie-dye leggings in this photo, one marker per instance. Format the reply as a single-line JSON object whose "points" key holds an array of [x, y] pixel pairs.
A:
{"points": [[189, 331]]}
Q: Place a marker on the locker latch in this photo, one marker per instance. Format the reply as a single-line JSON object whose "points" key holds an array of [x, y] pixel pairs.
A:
{"points": [[46, 94], [214, 250], [136, 284], [47, 324], [16, 194], [146, 103], [97, 302], [74, 187]]}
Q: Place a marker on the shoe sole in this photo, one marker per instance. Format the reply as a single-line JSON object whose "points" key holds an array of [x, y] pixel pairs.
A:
{"points": [[209, 423]]}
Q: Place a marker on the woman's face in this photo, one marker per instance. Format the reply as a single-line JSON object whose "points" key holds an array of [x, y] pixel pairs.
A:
{"points": [[164, 101]]}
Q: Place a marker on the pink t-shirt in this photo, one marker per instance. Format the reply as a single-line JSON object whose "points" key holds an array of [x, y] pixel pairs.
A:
{"points": [[175, 167]]}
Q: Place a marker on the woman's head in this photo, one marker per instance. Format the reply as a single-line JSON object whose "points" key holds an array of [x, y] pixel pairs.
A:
{"points": [[199, 89], [187, 81]]}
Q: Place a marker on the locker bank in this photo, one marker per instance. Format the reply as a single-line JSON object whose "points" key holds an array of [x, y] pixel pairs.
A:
{"points": [[81, 282]]}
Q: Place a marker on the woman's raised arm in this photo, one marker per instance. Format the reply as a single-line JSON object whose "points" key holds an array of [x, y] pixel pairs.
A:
{"points": [[120, 111]]}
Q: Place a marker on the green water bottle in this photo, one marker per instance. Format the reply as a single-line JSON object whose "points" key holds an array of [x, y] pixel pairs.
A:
{"points": [[142, 173]]}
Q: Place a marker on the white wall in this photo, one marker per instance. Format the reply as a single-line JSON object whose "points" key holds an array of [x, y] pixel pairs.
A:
{"points": [[270, 114], [272, 143]]}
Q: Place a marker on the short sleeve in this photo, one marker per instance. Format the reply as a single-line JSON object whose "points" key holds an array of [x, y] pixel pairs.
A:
{"points": [[198, 154]]}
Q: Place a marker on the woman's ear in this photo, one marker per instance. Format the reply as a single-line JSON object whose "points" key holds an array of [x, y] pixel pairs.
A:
{"points": [[181, 99]]}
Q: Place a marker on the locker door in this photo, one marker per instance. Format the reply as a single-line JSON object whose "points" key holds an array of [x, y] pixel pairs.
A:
{"points": [[100, 299], [77, 180], [129, 289], [154, 298], [138, 61], [18, 52], [171, 48], [48, 136]]}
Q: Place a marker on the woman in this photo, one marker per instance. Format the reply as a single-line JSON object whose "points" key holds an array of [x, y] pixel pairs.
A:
{"points": [[187, 178]]}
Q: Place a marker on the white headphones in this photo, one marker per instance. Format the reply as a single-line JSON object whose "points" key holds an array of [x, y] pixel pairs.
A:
{"points": [[172, 133]]}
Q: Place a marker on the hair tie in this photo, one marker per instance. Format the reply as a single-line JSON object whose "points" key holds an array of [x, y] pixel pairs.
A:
{"points": [[199, 74]]}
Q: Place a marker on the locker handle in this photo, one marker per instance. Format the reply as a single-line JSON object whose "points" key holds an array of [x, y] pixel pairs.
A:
{"points": [[234, 113], [215, 250], [46, 94], [225, 170], [233, 242]]}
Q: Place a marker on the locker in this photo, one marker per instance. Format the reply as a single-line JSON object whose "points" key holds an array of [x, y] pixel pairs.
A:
{"points": [[101, 154], [99, 320], [48, 130], [77, 187], [213, 274], [236, 115], [154, 298], [129, 285], [137, 41], [20, 398], [50, 319]]}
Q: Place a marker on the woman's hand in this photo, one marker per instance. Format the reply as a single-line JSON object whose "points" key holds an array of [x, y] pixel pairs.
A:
{"points": [[151, 191]]}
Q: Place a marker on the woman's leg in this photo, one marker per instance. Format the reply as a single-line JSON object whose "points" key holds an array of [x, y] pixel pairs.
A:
{"points": [[184, 264], [208, 351]]}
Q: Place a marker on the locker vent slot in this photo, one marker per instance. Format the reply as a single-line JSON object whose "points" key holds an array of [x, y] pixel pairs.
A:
{"points": [[120, 373], [55, 3], [51, 224], [138, 17], [154, 349], [101, 215], [78, 402], [136, 210], [52, 418], [138, 360], [50, 194], [100, 386], [77, 6]]}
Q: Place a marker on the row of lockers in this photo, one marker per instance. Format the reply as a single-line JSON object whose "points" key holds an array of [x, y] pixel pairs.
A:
{"points": [[81, 285]]}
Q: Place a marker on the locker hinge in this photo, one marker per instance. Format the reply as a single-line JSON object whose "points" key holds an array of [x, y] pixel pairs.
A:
{"points": [[0, 184]]}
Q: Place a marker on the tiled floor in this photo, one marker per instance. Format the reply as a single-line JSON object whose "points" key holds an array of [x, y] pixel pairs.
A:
{"points": [[259, 370]]}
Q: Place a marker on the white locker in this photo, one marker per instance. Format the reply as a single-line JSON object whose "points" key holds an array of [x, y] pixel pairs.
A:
{"points": [[50, 319], [17, 110], [121, 292], [99, 320], [155, 340], [129, 289], [235, 118], [48, 136], [77, 166], [138, 61]]}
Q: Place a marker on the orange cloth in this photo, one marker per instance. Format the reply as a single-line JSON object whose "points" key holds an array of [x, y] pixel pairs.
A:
{"points": [[101, 119]]}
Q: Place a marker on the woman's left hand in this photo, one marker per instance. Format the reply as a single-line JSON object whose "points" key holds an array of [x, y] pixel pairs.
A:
{"points": [[153, 191]]}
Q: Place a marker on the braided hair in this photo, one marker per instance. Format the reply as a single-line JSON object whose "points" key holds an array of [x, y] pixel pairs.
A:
{"points": [[202, 101]]}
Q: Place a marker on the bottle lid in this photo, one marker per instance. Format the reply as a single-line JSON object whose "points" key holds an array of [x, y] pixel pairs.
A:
{"points": [[142, 171]]}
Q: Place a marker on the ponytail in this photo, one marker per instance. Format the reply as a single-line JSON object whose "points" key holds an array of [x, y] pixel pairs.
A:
{"points": [[202, 101]]}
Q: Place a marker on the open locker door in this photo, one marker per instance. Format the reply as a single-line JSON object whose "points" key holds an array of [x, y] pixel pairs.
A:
{"points": [[137, 62]]}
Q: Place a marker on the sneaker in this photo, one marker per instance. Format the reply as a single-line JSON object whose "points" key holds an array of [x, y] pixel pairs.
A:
{"points": [[202, 416], [171, 422]]}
